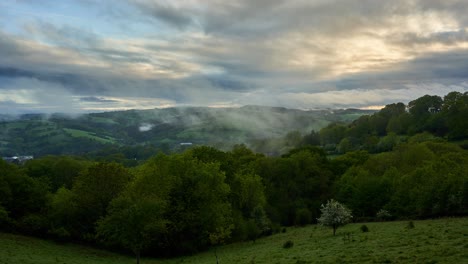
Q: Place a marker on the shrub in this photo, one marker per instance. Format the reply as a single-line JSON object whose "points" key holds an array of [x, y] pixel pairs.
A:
{"points": [[348, 237], [60, 234], [253, 232], [276, 228], [33, 224], [5, 221], [364, 228], [288, 244], [303, 217], [410, 225], [383, 215]]}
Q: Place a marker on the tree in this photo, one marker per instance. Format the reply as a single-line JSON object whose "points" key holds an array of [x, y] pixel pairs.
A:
{"points": [[20, 195], [133, 222], [198, 203], [57, 171], [422, 110], [94, 189], [136, 218], [312, 139], [334, 214]]}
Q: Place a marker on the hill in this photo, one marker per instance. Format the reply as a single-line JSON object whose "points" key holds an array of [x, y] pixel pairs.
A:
{"points": [[161, 129], [431, 241]]}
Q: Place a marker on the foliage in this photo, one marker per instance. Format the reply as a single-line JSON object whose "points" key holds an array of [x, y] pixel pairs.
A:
{"points": [[383, 214], [5, 220], [20, 195], [57, 171], [364, 228], [93, 190], [334, 215], [133, 223], [303, 217], [300, 179], [384, 130], [188, 196], [288, 244]]}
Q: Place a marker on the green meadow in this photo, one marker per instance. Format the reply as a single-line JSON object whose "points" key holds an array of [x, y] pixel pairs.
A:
{"points": [[430, 241], [86, 134]]}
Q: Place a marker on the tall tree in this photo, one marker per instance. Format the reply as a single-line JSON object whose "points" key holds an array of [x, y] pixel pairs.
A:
{"points": [[94, 189]]}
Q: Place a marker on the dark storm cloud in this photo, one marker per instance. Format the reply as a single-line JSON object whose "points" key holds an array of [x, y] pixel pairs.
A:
{"points": [[447, 65], [75, 83]]}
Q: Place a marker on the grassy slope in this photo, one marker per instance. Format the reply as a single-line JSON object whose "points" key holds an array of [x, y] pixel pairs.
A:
{"points": [[86, 134], [431, 241]]}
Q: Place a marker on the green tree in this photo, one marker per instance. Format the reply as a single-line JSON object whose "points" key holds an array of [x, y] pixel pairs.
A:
{"points": [[57, 171], [455, 111], [299, 179], [197, 203], [421, 111], [20, 195], [62, 213], [94, 189], [332, 134], [313, 138], [134, 221], [363, 192]]}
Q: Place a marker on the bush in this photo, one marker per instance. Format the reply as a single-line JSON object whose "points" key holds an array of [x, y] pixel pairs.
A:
{"points": [[276, 228], [33, 224], [364, 228], [383, 215], [5, 221], [410, 225], [253, 232], [288, 244], [60, 234], [303, 217]]}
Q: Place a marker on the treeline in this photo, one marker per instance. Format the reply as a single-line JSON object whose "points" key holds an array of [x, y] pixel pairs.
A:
{"points": [[441, 117], [174, 204]]}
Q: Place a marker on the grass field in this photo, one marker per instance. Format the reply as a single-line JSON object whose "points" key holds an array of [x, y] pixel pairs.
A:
{"points": [[431, 241], [86, 134]]}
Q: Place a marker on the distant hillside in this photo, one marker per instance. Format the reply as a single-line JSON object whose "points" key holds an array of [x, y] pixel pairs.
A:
{"points": [[162, 129]]}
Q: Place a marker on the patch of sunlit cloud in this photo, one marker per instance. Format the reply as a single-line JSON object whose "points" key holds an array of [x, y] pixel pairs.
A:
{"points": [[125, 103]]}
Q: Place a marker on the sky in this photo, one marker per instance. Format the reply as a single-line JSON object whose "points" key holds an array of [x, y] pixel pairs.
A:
{"points": [[92, 55]]}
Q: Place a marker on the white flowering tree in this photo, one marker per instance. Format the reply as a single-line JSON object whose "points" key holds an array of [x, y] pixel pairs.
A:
{"points": [[334, 214]]}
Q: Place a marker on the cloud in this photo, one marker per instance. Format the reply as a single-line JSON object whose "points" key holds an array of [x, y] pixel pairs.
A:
{"points": [[94, 99], [145, 127], [141, 53], [166, 12]]}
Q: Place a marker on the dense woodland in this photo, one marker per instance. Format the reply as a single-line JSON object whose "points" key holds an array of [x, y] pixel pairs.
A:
{"points": [[403, 162]]}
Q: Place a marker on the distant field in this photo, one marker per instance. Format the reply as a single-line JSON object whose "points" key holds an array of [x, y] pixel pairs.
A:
{"points": [[86, 134], [431, 241]]}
